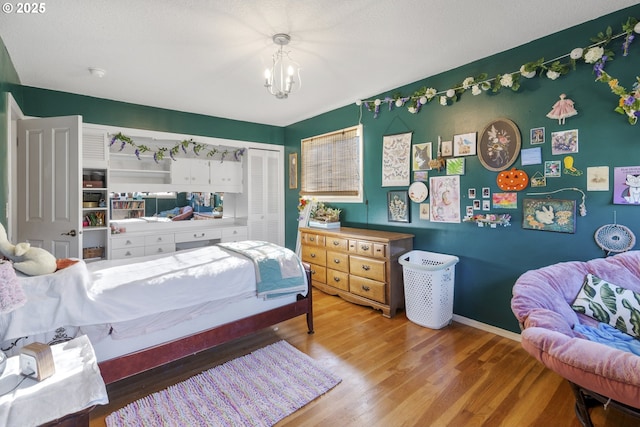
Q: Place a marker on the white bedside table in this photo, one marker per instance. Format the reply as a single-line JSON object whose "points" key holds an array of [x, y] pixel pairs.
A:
{"points": [[67, 396]]}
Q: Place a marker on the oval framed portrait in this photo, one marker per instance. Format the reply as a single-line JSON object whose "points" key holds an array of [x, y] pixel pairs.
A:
{"points": [[499, 145]]}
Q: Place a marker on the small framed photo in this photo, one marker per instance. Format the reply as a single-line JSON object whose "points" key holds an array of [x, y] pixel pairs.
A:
{"points": [[424, 211], [420, 176], [464, 144], [486, 205], [564, 142], [469, 210], [471, 193], [536, 136], [486, 192], [476, 205], [421, 156], [398, 208], [447, 148], [552, 169]]}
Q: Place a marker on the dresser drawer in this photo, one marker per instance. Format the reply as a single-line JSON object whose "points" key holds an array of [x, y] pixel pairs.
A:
{"points": [[312, 239], [196, 235], [338, 279], [364, 248], [338, 261], [379, 250], [336, 243], [165, 248], [127, 242], [123, 253], [158, 239], [234, 234], [318, 273], [364, 267], [314, 255], [367, 288]]}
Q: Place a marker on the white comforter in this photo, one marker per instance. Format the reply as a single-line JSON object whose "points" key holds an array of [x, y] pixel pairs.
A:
{"points": [[114, 291]]}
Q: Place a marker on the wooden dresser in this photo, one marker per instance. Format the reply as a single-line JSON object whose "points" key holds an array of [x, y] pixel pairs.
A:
{"points": [[359, 265]]}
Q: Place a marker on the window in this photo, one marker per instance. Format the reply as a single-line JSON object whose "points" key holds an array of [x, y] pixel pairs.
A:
{"points": [[331, 166]]}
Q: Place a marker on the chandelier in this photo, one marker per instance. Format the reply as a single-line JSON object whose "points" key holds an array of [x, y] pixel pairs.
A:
{"points": [[284, 74]]}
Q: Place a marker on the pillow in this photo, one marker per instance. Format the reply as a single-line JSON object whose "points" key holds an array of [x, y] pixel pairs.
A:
{"points": [[186, 212], [12, 295], [64, 263], [609, 303]]}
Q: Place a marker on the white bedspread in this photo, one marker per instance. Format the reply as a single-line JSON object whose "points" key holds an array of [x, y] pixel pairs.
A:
{"points": [[115, 291]]}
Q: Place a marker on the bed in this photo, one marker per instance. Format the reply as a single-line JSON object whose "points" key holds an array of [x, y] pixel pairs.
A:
{"points": [[157, 309]]}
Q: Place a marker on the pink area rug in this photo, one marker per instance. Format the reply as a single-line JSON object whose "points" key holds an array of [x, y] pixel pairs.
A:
{"points": [[258, 389]]}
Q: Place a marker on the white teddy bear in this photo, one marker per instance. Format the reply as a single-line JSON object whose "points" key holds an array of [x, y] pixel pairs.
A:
{"points": [[31, 261]]}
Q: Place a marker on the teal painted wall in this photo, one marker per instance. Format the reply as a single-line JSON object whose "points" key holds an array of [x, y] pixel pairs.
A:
{"points": [[492, 259], [46, 103]]}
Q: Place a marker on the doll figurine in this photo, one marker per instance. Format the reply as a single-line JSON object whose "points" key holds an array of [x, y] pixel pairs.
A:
{"points": [[562, 109]]}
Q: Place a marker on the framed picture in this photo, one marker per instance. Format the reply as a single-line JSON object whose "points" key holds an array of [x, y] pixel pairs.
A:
{"points": [[499, 145], [536, 136], [464, 144], [455, 166], [564, 142], [626, 185], [447, 148], [421, 156], [396, 159], [445, 198], [293, 171], [549, 215], [598, 178], [531, 156], [420, 175], [471, 193], [552, 169], [398, 209]]}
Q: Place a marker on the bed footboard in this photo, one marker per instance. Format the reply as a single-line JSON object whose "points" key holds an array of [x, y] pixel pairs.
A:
{"points": [[113, 370]]}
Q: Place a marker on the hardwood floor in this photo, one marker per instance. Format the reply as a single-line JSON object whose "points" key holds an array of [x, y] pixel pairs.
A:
{"points": [[396, 373]]}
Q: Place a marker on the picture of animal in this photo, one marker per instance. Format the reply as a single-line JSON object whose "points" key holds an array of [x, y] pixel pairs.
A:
{"points": [[545, 215], [421, 156], [632, 194]]}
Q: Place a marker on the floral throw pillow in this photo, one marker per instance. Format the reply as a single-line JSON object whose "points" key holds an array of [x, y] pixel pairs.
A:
{"points": [[609, 303]]}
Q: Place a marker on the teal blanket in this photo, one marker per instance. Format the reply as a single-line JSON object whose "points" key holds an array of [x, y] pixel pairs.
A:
{"points": [[279, 271]]}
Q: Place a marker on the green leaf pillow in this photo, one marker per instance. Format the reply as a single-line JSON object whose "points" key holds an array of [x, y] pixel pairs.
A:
{"points": [[609, 303]]}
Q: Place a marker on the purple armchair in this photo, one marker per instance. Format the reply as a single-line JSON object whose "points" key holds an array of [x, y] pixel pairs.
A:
{"points": [[542, 301]]}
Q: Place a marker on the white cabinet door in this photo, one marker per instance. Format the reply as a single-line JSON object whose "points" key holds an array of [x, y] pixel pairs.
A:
{"points": [[192, 172], [226, 176], [265, 173]]}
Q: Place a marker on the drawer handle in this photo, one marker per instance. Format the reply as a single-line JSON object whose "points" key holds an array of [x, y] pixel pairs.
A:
{"points": [[196, 236], [127, 254], [313, 272], [336, 243], [160, 250], [336, 261], [312, 255], [312, 239], [336, 279], [128, 242], [366, 288], [365, 247], [366, 267]]}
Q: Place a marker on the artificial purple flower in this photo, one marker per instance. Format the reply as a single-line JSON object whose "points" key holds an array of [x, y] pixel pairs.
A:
{"points": [[184, 148], [627, 43], [389, 101], [137, 152], [122, 145], [629, 100], [637, 113], [155, 157], [113, 140], [171, 155]]}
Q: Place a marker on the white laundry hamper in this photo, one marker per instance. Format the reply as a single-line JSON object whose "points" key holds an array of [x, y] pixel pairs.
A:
{"points": [[428, 287]]}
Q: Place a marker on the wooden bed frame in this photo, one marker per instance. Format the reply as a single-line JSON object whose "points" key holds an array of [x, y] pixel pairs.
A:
{"points": [[118, 368]]}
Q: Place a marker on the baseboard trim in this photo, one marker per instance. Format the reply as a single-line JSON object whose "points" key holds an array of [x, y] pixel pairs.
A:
{"points": [[487, 328]]}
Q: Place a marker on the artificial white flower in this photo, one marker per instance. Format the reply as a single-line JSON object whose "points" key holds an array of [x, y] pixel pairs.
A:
{"points": [[637, 28], [506, 80], [430, 93], [475, 89], [552, 74], [423, 100], [412, 110], [398, 102], [576, 53], [468, 82], [451, 93], [593, 55], [443, 100], [527, 74], [359, 102], [377, 102]]}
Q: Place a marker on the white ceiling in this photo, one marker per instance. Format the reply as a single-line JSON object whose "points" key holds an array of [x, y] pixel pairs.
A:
{"points": [[209, 56]]}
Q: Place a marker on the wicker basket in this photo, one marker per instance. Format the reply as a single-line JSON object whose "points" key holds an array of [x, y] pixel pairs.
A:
{"points": [[96, 252]]}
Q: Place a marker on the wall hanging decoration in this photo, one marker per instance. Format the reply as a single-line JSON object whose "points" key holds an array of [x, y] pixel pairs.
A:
{"points": [[445, 198], [538, 180], [422, 156], [536, 136], [396, 159], [531, 156], [564, 142], [552, 169], [569, 169], [549, 215], [293, 171], [455, 166], [512, 180], [583, 206], [499, 145], [438, 163], [505, 200], [420, 175], [490, 220], [418, 192], [562, 109], [598, 178], [626, 185], [424, 211], [447, 148], [398, 206], [615, 238], [465, 144]]}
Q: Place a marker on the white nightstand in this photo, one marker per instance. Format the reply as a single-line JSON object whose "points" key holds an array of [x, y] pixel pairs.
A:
{"points": [[65, 398]]}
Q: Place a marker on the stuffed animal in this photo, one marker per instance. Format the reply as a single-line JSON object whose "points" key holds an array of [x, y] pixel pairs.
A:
{"points": [[28, 260]]}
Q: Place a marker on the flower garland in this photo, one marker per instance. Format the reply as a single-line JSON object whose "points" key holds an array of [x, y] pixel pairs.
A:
{"points": [[596, 54], [184, 146]]}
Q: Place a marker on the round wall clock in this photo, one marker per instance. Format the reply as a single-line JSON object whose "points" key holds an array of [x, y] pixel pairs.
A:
{"points": [[499, 145]]}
